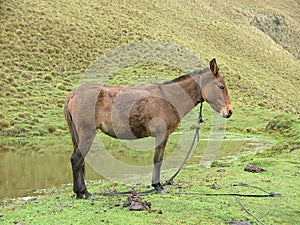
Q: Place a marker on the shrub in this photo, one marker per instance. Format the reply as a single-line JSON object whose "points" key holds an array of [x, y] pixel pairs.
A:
{"points": [[280, 124]]}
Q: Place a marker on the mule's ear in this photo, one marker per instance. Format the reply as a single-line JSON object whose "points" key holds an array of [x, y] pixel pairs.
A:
{"points": [[214, 67]]}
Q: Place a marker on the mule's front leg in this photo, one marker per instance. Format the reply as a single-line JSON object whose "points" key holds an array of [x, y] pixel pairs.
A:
{"points": [[157, 161], [156, 176]]}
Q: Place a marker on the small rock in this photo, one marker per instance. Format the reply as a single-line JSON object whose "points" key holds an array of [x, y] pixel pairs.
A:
{"points": [[159, 211], [215, 186], [28, 198], [1, 215], [63, 205], [227, 164], [254, 169], [294, 148], [239, 223], [117, 204]]}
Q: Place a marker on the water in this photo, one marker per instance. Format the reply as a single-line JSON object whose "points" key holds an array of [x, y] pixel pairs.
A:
{"points": [[21, 174]]}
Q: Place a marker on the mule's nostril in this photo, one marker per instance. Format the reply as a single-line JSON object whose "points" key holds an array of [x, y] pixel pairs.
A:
{"points": [[229, 113]]}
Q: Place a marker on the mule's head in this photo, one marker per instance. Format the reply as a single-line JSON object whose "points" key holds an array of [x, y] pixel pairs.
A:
{"points": [[214, 91]]}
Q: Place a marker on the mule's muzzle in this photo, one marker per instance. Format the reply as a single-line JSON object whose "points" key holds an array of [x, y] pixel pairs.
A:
{"points": [[226, 114], [230, 112]]}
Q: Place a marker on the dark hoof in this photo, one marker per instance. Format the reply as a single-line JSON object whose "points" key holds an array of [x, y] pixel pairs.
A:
{"points": [[91, 197], [87, 195], [159, 189], [79, 196], [162, 191]]}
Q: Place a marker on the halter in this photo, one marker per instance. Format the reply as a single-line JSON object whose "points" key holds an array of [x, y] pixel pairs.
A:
{"points": [[200, 100], [200, 119]]}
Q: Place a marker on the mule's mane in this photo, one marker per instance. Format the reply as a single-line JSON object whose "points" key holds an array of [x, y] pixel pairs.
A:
{"points": [[183, 77]]}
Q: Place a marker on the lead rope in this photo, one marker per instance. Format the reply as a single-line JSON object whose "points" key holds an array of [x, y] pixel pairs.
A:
{"points": [[244, 208], [170, 180], [196, 137]]}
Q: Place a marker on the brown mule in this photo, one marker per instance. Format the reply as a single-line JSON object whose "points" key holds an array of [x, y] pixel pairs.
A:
{"points": [[136, 112]]}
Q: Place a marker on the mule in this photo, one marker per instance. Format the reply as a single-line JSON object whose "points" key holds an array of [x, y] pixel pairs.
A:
{"points": [[137, 112]]}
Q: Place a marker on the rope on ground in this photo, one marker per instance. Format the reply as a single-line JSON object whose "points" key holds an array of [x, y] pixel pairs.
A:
{"points": [[268, 194], [233, 193]]}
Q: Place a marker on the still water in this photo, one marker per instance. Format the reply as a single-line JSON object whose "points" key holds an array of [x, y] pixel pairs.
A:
{"points": [[21, 174]]}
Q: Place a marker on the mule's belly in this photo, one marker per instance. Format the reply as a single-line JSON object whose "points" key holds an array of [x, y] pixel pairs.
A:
{"points": [[124, 131]]}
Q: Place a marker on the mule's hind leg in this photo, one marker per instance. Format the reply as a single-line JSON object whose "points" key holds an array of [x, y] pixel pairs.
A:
{"points": [[158, 160], [77, 161]]}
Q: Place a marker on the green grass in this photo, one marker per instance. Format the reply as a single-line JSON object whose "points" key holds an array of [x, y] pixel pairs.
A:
{"points": [[46, 47]]}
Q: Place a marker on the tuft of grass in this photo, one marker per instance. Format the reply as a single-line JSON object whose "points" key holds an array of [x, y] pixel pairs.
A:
{"points": [[48, 77], [4, 124], [52, 129], [2, 116]]}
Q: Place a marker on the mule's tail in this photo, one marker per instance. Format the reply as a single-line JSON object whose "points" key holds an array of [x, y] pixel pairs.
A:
{"points": [[70, 122]]}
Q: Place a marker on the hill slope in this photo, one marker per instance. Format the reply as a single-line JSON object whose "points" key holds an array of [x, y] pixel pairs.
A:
{"points": [[46, 46]]}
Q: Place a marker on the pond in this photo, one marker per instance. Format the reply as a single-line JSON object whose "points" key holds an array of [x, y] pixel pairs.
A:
{"points": [[23, 173]]}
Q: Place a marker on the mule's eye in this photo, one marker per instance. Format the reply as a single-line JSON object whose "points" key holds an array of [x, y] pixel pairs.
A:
{"points": [[221, 86]]}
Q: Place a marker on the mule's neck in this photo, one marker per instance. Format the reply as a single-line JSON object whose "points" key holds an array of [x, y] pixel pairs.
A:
{"points": [[186, 91]]}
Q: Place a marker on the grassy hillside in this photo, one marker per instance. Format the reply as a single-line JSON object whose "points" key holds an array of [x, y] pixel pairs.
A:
{"points": [[46, 46]]}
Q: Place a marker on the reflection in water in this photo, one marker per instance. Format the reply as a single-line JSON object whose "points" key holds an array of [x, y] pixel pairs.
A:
{"points": [[21, 174]]}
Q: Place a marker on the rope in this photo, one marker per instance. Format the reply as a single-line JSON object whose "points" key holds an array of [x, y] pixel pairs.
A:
{"points": [[235, 195], [196, 137], [267, 194], [246, 210], [169, 181]]}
